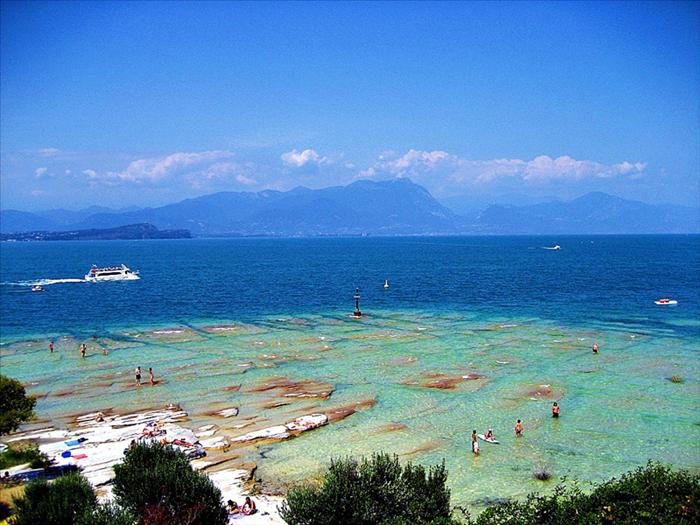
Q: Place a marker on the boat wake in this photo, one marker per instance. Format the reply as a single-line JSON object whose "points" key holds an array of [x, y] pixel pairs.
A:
{"points": [[44, 282]]}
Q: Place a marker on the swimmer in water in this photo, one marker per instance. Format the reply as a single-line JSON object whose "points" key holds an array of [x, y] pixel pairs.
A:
{"points": [[519, 429]]}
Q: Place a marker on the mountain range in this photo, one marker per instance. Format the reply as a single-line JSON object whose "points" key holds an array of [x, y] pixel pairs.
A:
{"points": [[394, 207]]}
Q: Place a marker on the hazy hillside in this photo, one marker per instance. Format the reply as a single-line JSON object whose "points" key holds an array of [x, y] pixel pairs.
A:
{"points": [[395, 207], [592, 213]]}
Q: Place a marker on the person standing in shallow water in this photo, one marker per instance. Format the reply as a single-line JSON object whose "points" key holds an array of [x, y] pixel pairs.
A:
{"points": [[51, 347], [83, 350], [555, 410], [595, 348], [519, 429], [474, 443], [151, 378], [137, 373]]}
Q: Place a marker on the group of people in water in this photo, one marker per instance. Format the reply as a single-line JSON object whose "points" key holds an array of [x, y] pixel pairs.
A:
{"points": [[83, 349], [234, 511], [489, 436], [151, 377]]}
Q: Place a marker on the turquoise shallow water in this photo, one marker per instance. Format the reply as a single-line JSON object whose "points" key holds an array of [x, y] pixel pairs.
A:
{"points": [[238, 313]]}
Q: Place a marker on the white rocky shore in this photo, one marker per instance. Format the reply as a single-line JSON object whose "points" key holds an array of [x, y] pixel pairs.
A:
{"points": [[99, 442]]}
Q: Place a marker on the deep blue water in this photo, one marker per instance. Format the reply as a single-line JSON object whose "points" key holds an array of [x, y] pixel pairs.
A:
{"points": [[591, 279]]}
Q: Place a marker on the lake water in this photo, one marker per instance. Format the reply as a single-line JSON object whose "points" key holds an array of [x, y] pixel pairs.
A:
{"points": [[516, 319]]}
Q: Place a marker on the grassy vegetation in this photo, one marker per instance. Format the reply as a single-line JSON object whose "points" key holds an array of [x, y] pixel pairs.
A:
{"points": [[18, 455]]}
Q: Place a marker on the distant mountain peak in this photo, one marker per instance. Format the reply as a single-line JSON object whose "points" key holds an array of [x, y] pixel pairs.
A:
{"points": [[390, 207]]}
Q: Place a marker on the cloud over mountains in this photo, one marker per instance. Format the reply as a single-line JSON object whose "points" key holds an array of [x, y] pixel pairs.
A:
{"points": [[449, 168], [192, 173]]}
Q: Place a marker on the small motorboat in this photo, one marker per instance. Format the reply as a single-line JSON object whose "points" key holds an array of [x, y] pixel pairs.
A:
{"points": [[386, 283], [555, 247], [37, 288], [665, 301]]}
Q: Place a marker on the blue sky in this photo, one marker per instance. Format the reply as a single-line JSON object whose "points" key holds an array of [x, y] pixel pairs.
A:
{"points": [[124, 104]]}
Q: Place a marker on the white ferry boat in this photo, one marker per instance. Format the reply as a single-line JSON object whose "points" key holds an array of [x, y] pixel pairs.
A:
{"points": [[111, 273]]}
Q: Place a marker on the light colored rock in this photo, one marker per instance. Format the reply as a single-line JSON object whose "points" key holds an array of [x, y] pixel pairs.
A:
{"points": [[304, 423], [214, 442], [228, 412], [42, 434], [276, 432]]}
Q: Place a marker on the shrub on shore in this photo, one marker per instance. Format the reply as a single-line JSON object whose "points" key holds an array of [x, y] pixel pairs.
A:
{"points": [[108, 514], [157, 483], [15, 406], [16, 455], [653, 494], [370, 492], [63, 501]]}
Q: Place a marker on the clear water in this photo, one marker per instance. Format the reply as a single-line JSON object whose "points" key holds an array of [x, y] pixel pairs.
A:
{"points": [[501, 307]]}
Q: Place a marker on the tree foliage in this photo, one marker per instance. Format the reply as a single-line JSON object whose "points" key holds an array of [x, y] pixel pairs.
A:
{"points": [[107, 514], [157, 483], [374, 491], [60, 502], [15, 406]]}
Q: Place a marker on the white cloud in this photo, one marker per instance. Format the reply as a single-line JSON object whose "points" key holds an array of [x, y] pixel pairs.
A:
{"points": [[68, 172], [37, 193], [414, 159], [248, 181], [444, 168], [159, 168], [628, 168], [90, 174], [298, 159], [40, 172], [49, 152]]}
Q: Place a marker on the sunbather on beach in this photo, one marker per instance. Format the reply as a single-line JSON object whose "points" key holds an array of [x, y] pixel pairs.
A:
{"points": [[249, 506], [232, 508]]}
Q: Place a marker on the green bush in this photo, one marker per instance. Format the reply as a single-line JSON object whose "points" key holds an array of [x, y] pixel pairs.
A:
{"points": [[157, 483], [371, 492], [60, 502], [109, 514], [15, 406], [17, 456], [653, 495]]}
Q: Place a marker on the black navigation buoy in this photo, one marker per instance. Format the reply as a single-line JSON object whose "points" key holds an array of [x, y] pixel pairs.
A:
{"points": [[357, 312]]}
